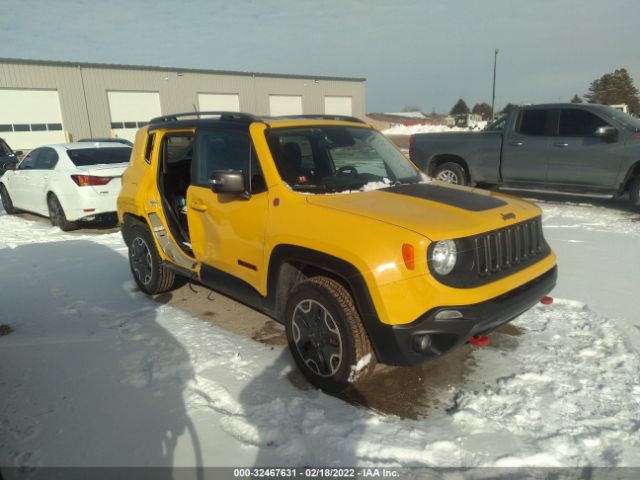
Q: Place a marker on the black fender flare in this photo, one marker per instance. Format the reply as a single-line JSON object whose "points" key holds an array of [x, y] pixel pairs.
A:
{"points": [[285, 254]]}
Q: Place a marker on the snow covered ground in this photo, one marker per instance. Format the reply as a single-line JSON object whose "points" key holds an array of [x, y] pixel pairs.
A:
{"points": [[411, 129], [97, 374]]}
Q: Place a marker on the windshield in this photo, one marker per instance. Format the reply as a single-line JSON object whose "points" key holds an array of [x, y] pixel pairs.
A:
{"points": [[83, 157], [333, 158], [626, 120], [497, 125]]}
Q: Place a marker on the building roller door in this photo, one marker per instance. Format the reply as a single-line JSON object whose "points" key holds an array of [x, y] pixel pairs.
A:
{"points": [[30, 118], [285, 105], [132, 110], [218, 102], [338, 106]]}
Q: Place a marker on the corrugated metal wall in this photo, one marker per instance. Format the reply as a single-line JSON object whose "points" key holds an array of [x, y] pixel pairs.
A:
{"points": [[178, 90]]}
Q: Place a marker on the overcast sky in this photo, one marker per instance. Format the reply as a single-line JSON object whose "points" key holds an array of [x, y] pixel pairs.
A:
{"points": [[419, 52]]}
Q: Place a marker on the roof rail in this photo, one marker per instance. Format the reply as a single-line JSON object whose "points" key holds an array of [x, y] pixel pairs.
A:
{"points": [[227, 116], [343, 118]]}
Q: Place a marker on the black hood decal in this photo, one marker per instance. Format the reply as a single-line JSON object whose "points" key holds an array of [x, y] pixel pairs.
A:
{"points": [[449, 196]]}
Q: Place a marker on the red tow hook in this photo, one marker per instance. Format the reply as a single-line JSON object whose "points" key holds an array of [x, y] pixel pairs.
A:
{"points": [[479, 341], [546, 300]]}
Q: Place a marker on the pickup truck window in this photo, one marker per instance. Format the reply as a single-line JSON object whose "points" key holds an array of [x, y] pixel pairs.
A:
{"points": [[533, 122], [625, 119], [498, 125], [579, 123]]}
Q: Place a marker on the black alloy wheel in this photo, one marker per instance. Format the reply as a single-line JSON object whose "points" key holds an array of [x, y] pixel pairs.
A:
{"points": [[326, 336]]}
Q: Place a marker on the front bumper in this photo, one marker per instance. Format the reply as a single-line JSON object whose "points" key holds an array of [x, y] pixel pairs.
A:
{"points": [[406, 344]]}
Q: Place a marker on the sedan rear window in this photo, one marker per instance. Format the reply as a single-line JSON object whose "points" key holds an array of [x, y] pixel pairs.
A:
{"points": [[83, 157]]}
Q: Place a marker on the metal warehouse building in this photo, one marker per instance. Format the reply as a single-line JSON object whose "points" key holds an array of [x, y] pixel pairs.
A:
{"points": [[52, 102]]}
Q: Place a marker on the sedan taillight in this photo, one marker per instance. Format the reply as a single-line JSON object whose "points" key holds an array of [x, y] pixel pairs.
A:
{"points": [[90, 180]]}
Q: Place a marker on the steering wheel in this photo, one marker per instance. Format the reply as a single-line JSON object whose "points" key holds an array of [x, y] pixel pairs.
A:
{"points": [[347, 170]]}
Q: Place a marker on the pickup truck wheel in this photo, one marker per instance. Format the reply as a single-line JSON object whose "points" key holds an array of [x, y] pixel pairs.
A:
{"points": [[634, 192], [326, 336], [450, 172], [7, 204], [146, 266]]}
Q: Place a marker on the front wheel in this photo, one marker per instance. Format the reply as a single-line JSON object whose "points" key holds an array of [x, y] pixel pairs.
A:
{"points": [[146, 266], [7, 203], [634, 192], [326, 336], [450, 172]]}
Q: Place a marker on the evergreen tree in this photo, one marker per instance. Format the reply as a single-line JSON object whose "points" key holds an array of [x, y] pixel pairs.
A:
{"points": [[460, 108], [507, 109], [483, 109], [613, 89], [576, 99]]}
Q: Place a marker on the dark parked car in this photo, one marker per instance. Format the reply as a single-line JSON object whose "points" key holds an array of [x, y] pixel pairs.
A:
{"points": [[7, 156], [574, 148]]}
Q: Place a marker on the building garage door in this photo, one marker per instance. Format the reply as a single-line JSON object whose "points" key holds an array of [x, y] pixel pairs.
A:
{"points": [[30, 118], [218, 102], [338, 106], [132, 110], [285, 105]]}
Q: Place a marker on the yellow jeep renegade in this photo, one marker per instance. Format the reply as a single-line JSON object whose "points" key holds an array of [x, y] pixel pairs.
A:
{"points": [[325, 226]]}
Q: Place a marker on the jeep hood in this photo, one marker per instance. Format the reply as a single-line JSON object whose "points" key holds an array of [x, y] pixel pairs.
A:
{"points": [[434, 210]]}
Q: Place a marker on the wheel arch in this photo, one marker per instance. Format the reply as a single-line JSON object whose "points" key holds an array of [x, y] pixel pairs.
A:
{"points": [[443, 158], [128, 221], [290, 264], [632, 172]]}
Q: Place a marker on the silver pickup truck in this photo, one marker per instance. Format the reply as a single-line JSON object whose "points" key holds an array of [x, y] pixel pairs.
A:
{"points": [[573, 148]]}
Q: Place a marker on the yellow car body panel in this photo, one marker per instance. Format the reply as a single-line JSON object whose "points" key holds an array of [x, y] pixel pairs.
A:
{"points": [[364, 229]]}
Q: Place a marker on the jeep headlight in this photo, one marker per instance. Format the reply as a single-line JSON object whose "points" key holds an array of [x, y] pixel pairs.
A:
{"points": [[443, 256]]}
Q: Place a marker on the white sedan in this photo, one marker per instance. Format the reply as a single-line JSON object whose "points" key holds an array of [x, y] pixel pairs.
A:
{"points": [[69, 182]]}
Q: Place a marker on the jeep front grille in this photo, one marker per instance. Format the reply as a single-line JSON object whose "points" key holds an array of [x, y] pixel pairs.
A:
{"points": [[489, 256], [509, 247]]}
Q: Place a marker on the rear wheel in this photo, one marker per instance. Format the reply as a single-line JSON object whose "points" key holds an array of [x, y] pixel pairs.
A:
{"points": [[7, 204], [57, 215], [146, 266], [326, 336], [450, 172], [634, 192]]}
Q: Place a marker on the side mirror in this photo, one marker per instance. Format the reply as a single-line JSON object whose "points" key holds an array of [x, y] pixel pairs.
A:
{"points": [[18, 153], [610, 134], [228, 181]]}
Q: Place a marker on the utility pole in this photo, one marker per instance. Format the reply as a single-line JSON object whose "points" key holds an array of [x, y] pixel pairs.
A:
{"points": [[493, 95]]}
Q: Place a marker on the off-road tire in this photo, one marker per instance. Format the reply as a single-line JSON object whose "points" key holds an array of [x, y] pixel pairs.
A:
{"points": [[57, 215], [7, 204], [146, 265], [634, 192], [357, 360], [450, 172]]}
